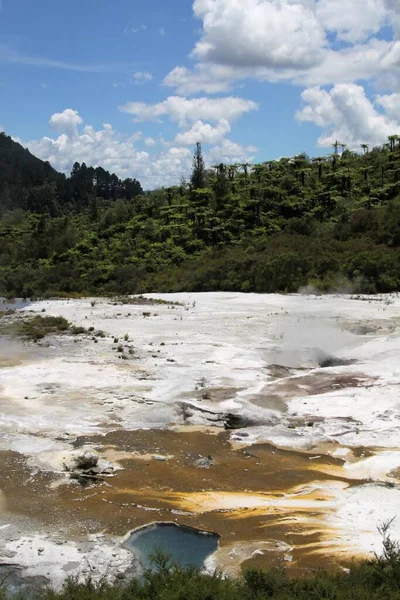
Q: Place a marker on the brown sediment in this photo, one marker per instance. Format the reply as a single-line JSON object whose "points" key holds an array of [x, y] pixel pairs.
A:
{"points": [[14, 361], [310, 385], [148, 489]]}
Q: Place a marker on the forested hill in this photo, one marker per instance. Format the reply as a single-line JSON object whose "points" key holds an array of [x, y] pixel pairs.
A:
{"points": [[330, 222], [28, 183]]}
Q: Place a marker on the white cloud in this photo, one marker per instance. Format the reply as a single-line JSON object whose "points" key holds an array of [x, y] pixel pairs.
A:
{"points": [[183, 110], [258, 33], [391, 104], [393, 7], [346, 114], [142, 77], [211, 79], [230, 152], [357, 62], [361, 62], [162, 31], [290, 40], [140, 28], [66, 122], [204, 133], [115, 152], [10, 56], [353, 20]]}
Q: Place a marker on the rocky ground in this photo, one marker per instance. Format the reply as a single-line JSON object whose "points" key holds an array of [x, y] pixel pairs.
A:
{"points": [[272, 420]]}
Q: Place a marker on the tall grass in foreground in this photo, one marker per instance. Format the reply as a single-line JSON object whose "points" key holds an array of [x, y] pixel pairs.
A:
{"points": [[378, 578]]}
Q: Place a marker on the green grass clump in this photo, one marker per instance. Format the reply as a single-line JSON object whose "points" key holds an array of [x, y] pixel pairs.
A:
{"points": [[75, 330], [37, 328], [141, 300]]}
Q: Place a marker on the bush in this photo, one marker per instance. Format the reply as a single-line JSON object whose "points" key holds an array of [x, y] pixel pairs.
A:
{"points": [[38, 327], [79, 330], [377, 579]]}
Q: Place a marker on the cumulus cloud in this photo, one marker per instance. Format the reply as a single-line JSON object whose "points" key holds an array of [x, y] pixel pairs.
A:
{"points": [[230, 152], [142, 77], [211, 79], [183, 110], [118, 153], [258, 33], [352, 21], [307, 42], [391, 104], [204, 133], [345, 113], [66, 122]]}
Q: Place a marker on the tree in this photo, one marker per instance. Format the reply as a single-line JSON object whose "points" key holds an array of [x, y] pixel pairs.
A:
{"points": [[198, 170], [336, 147], [392, 140], [319, 160]]}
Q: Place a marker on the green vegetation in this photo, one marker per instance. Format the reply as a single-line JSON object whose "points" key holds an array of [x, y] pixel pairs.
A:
{"points": [[38, 327], [27, 183], [378, 579], [332, 223], [141, 300]]}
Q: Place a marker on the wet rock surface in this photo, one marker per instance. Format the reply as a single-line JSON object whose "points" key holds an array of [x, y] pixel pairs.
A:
{"points": [[212, 420]]}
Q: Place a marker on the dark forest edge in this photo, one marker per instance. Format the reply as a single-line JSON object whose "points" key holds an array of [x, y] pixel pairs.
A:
{"points": [[369, 580], [327, 223]]}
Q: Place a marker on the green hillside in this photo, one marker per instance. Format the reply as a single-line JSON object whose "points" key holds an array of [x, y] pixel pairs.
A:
{"points": [[329, 222]]}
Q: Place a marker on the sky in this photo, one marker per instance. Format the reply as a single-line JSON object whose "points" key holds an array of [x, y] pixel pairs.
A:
{"points": [[132, 86]]}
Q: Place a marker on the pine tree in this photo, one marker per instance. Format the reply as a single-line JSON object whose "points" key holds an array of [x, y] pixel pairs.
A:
{"points": [[198, 170]]}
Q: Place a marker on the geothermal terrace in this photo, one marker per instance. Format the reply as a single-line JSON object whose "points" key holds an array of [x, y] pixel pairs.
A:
{"points": [[273, 421]]}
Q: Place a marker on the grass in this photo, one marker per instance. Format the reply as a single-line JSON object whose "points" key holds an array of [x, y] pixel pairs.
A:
{"points": [[142, 301], [75, 330], [38, 327]]}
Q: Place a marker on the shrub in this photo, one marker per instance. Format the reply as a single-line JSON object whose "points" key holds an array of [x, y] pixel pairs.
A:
{"points": [[78, 330], [38, 327], [86, 461]]}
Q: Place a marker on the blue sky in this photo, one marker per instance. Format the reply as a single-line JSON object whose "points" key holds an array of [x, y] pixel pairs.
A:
{"points": [[252, 79]]}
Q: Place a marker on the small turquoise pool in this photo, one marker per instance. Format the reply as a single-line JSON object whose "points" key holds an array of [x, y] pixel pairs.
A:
{"points": [[184, 545]]}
